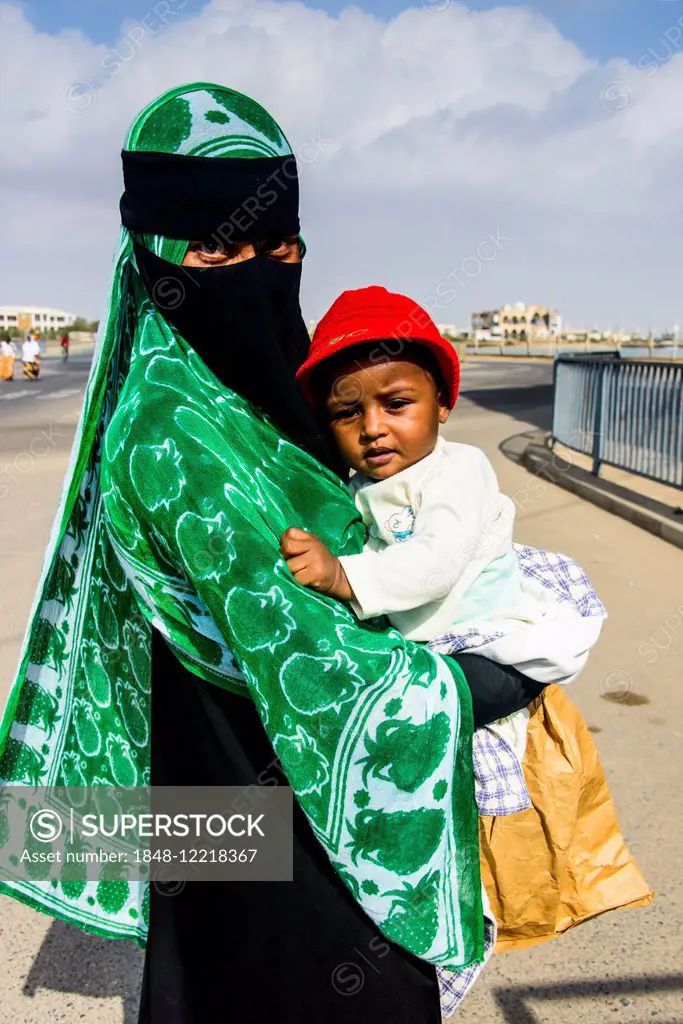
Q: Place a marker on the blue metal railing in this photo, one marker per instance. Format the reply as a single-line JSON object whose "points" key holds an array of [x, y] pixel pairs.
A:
{"points": [[622, 412]]}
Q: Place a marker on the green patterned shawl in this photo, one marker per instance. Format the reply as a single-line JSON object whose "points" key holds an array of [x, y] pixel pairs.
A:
{"points": [[175, 499]]}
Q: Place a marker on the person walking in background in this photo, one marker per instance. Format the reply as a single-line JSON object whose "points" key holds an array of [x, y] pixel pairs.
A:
{"points": [[65, 346], [30, 357], [7, 356]]}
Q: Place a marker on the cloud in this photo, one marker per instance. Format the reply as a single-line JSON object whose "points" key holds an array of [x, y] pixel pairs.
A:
{"points": [[418, 138]]}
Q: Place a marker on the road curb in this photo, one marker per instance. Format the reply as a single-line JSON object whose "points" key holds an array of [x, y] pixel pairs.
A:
{"points": [[648, 515]]}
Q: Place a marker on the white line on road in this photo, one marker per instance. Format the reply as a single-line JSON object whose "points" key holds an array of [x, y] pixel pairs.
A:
{"points": [[64, 393], [17, 394]]}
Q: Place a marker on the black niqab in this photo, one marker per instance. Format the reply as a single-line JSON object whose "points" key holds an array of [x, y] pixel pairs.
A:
{"points": [[245, 323]]}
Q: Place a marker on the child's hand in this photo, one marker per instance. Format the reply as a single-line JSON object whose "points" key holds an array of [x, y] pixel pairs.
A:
{"points": [[312, 564]]}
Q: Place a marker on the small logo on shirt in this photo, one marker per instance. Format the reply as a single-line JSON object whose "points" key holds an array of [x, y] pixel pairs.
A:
{"points": [[401, 524]]}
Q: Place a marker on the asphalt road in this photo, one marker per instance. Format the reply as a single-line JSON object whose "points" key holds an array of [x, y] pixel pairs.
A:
{"points": [[59, 388], [624, 967], [514, 386]]}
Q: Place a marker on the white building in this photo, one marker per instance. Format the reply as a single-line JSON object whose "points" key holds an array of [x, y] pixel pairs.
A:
{"points": [[443, 329], [518, 322], [34, 318]]}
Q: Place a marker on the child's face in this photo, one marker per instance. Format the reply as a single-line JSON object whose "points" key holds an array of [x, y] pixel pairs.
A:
{"points": [[384, 417]]}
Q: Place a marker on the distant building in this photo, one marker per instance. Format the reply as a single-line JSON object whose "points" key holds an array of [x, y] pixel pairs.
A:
{"points": [[450, 329], [34, 318], [517, 322]]}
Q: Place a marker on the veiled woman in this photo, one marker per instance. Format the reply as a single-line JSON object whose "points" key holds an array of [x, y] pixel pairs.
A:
{"points": [[169, 642]]}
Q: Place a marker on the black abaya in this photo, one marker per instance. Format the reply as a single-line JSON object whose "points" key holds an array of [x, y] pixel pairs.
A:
{"points": [[292, 952], [288, 951]]}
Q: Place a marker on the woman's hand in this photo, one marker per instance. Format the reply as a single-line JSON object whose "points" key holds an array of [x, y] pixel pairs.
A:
{"points": [[312, 564]]}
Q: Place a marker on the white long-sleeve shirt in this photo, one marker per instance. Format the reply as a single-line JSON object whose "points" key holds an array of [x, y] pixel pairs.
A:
{"points": [[433, 529], [29, 350], [440, 555]]}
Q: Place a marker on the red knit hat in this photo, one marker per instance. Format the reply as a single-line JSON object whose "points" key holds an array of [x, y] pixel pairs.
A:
{"points": [[374, 314]]}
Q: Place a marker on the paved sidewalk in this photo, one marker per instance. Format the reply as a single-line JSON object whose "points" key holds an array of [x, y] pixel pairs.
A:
{"points": [[646, 503], [51, 972], [626, 966], [640, 486]]}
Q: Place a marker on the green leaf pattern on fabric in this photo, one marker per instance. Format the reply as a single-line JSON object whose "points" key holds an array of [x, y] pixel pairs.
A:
{"points": [[321, 679], [178, 526], [175, 500]]}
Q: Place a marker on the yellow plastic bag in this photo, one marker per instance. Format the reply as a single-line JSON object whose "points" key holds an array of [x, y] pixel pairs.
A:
{"points": [[564, 860]]}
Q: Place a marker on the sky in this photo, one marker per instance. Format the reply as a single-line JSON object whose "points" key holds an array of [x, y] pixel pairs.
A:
{"points": [[602, 28], [466, 153]]}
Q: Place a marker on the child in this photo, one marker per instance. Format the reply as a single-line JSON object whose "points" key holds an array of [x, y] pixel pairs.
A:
{"points": [[439, 559]]}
